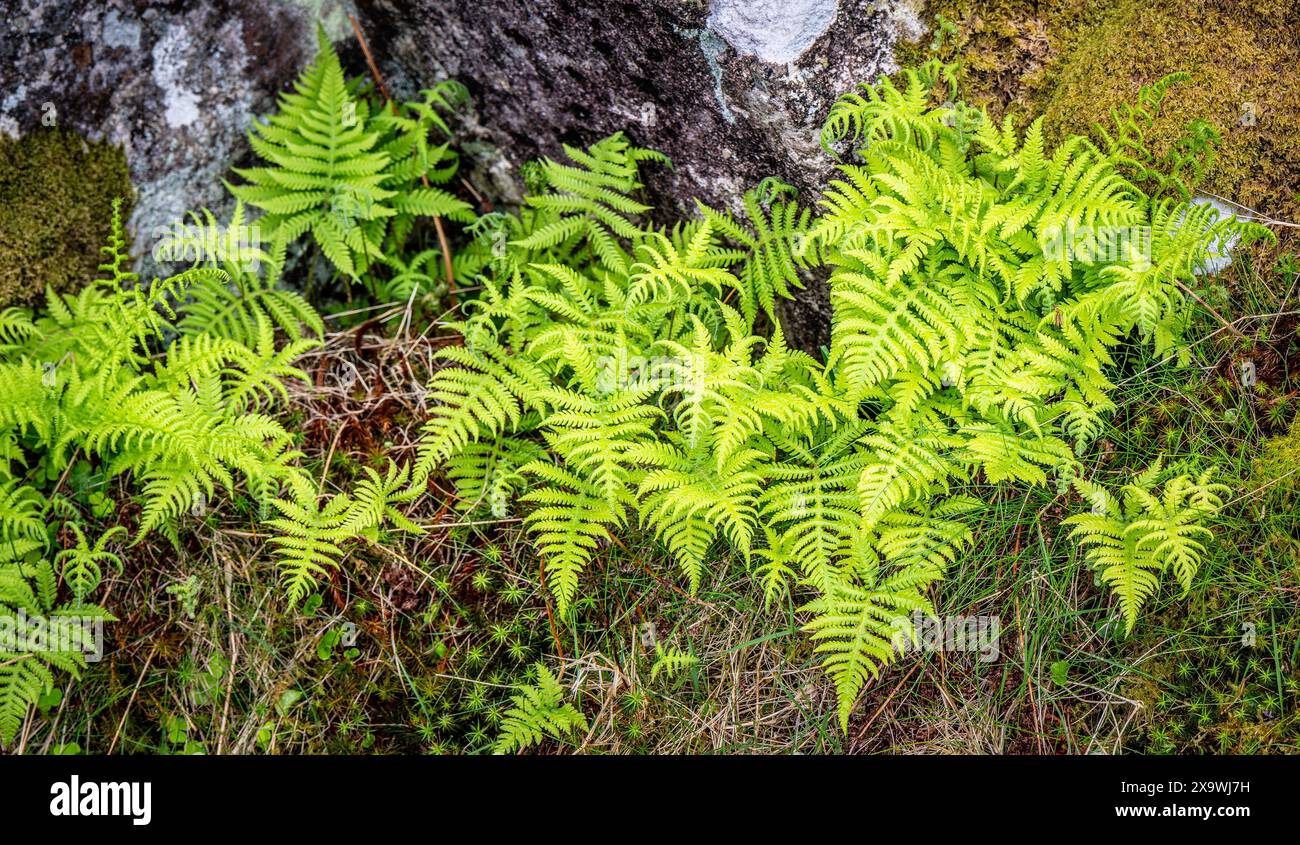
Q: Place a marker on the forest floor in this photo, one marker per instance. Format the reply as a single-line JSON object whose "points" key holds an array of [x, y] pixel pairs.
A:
{"points": [[416, 642]]}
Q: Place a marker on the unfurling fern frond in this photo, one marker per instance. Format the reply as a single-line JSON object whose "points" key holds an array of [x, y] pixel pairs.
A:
{"points": [[83, 564]]}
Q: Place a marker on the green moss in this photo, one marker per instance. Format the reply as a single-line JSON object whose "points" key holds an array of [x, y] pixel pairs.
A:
{"points": [[1274, 471], [1244, 59], [1072, 61], [56, 190]]}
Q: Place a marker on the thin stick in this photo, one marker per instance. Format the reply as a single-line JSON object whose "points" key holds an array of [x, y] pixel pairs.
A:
{"points": [[1281, 308], [1256, 216], [862, 730], [329, 458], [234, 657], [122, 723], [550, 615], [1227, 325], [370, 60], [648, 571]]}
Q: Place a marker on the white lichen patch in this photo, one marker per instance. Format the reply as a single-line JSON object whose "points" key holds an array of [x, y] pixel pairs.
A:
{"points": [[118, 32], [776, 31], [180, 105]]}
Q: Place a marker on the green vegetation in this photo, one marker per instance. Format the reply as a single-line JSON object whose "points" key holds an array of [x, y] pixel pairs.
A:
{"points": [[967, 343], [86, 400], [354, 179], [602, 503], [1074, 62]]}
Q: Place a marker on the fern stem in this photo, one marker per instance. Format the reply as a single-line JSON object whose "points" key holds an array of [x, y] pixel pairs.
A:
{"points": [[388, 102], [550, 613]]}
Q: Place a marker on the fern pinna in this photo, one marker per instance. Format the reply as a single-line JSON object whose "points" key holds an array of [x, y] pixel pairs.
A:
{"points": [[611, 376]]}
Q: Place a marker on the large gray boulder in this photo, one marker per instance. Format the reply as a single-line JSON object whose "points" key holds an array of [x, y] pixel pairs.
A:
{"points": [[732, 90]]}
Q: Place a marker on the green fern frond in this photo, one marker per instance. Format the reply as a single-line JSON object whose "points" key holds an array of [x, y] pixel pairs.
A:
{"points": [[538, 711], [671, 661], [1134, 539], [860, 629]]}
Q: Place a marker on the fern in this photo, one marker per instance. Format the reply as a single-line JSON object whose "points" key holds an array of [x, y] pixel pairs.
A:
{"points": [[169, 385], [83, 564], [538, 711], [773, 247], [975, 319], [857, 629], [1135, 538], [354, 175], [671, 661], [234, 306], [310, 532], [38, 636], [1126, 142]]}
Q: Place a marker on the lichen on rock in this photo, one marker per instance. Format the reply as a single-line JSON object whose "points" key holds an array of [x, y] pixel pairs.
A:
{"points": [[174, 85]]}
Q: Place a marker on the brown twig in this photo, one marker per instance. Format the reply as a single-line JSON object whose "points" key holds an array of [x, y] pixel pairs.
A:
{"points": [[1227, 325], [550, 614], [370, 60], [862, 730], [234, 656], [126, 712]]}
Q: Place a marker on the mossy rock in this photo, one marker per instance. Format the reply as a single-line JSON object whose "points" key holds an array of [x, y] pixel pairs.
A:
{"points": [[1072, 62], [57, 192]]}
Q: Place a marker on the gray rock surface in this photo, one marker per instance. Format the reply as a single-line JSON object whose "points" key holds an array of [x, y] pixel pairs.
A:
{"points": [[175, 84]]}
